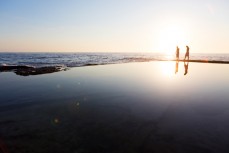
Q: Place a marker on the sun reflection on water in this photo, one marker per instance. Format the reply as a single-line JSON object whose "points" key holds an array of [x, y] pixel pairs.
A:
{"points": [[167, 69]]}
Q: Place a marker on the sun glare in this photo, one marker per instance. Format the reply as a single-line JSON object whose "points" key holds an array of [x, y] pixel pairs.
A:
{"points": [[167, 69], [170, 37]]}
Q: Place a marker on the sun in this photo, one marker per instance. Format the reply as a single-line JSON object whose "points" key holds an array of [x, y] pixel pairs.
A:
{"points": [[171, 36]]}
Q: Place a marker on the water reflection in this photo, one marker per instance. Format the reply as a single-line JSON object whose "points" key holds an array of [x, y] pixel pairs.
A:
{"points": [[3, 147], [176, 66], [167, 69], [186, 63], [186, 67]]}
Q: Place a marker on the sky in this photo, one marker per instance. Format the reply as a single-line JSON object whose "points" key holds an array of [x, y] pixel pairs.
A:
{"points": [[114, 25]]}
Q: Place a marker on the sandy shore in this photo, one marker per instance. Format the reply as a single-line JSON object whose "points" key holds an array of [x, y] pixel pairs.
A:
{"points": [[121, 108]]}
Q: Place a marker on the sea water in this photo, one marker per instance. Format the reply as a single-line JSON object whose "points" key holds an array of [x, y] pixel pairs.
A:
{"points": [[84, 59]]}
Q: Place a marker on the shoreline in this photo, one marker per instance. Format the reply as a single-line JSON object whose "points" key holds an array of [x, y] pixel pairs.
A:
{"points": [[30, 70], [201, 61]]}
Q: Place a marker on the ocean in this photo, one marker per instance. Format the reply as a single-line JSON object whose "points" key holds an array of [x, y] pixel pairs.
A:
{"points": [[85, 59]]}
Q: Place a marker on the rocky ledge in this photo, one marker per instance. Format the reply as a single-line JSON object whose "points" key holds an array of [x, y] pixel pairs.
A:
{"points": [[27, 70]]}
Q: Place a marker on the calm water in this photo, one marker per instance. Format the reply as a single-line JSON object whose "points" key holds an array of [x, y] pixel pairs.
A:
{"points": [[82, 59], [131, 108]]}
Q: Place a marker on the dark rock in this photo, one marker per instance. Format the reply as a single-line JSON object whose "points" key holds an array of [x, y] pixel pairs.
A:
{"points": [[27, 70], [37, 71]]}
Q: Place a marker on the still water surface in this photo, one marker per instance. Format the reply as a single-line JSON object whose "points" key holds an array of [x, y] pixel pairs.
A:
{"points": [[134, 107]]}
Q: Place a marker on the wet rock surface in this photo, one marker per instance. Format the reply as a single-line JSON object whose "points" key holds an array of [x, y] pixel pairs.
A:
{"points": [[27, 70]]}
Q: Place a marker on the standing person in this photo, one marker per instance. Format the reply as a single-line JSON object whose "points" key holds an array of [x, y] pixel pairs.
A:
{"points": [[187, 53], [177, 53]]}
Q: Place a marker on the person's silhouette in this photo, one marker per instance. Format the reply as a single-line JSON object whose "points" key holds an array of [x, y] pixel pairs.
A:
{"points": [[187, 53], [177, 53], [176, 67], [186, 68]]}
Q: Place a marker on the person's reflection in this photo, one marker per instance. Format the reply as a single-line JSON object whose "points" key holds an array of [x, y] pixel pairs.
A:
{"points": [[176, 67], [186, 67]]}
